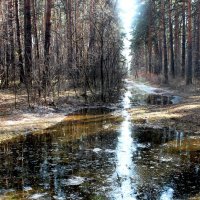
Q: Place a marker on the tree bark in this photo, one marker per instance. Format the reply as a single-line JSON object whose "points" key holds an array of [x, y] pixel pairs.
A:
{"points": [[177, 42], [28, 47], [27, 41], [47, 44], [20, 62], [165, 68], [11, 39], [69, 31], [150, 38], [171, 41], [197, 50], [189, 46], [183, 41]]}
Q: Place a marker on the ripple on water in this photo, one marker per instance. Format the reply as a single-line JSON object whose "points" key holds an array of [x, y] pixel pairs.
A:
{"points": [[37, 196], [74, 180]]}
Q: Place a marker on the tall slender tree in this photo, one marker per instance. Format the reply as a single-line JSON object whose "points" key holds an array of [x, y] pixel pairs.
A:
{"points": [[176, 40], [46, 71], [197, 49], [28, 41], [11, 37], [172, 67], [189, 46], [20, 57], [183, 39], [165, 68], [28, 47]]}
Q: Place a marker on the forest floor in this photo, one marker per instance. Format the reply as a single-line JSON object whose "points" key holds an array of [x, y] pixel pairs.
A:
{"points": [[184, 116], [21, 120]]}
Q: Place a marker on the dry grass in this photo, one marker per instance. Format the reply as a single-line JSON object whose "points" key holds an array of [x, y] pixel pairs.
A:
{"points": [[184, 116], [16, 118]]}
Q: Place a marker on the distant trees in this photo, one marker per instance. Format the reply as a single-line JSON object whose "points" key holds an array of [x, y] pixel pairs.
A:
{"points": [[172, 51], [54, 45]]}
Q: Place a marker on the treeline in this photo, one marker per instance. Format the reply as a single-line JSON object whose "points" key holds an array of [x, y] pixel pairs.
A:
{"points": [[52, 45], [166, 39]]}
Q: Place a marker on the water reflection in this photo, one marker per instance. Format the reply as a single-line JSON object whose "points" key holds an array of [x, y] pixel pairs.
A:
{"points": [[156, 99], [124, 173], [142, 98], [94, 155], [167, 194], [127, 163]]}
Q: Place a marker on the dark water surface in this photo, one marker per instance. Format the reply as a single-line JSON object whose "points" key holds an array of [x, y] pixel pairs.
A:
{"points": [[96, 154]]}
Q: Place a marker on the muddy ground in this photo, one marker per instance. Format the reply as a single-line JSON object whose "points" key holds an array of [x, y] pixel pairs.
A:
{"points": [[184, 116], [17, 118]]}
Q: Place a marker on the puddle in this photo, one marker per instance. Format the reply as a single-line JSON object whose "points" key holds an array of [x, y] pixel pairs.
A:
{"points": [[94, 154], [184, 143], [157, 99], [100, 165], [142, 96], [92, 111]]}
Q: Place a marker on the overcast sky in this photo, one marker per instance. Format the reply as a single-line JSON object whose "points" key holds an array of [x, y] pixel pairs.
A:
{"points": [[127, 11]]}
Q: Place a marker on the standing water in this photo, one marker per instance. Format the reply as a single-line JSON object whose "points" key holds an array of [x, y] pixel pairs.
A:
{"points": [[124, 173], [96, 154]]}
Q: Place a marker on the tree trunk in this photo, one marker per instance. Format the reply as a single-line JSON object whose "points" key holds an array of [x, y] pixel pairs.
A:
{"points": [[183, 41], [150, 52], [27, 46], [101, 66], [35, 29], [177, 43], [36, 47], [47, 44], [160, 33], [20, 62], [189, 64], [69, 31], [197, 50], [171, 41], [11, 37], [164, 44], [150, 38], [27, 41]]}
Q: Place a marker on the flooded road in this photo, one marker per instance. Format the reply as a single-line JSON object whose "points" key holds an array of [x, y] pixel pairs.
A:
{"points": [[98, 154]]}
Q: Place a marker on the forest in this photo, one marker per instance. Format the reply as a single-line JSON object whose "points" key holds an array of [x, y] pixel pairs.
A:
{"points": [[51, 46], [99, 99], [166, 40]]}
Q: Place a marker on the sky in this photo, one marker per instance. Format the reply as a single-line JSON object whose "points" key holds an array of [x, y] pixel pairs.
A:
{"points": [[127, 11]]}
